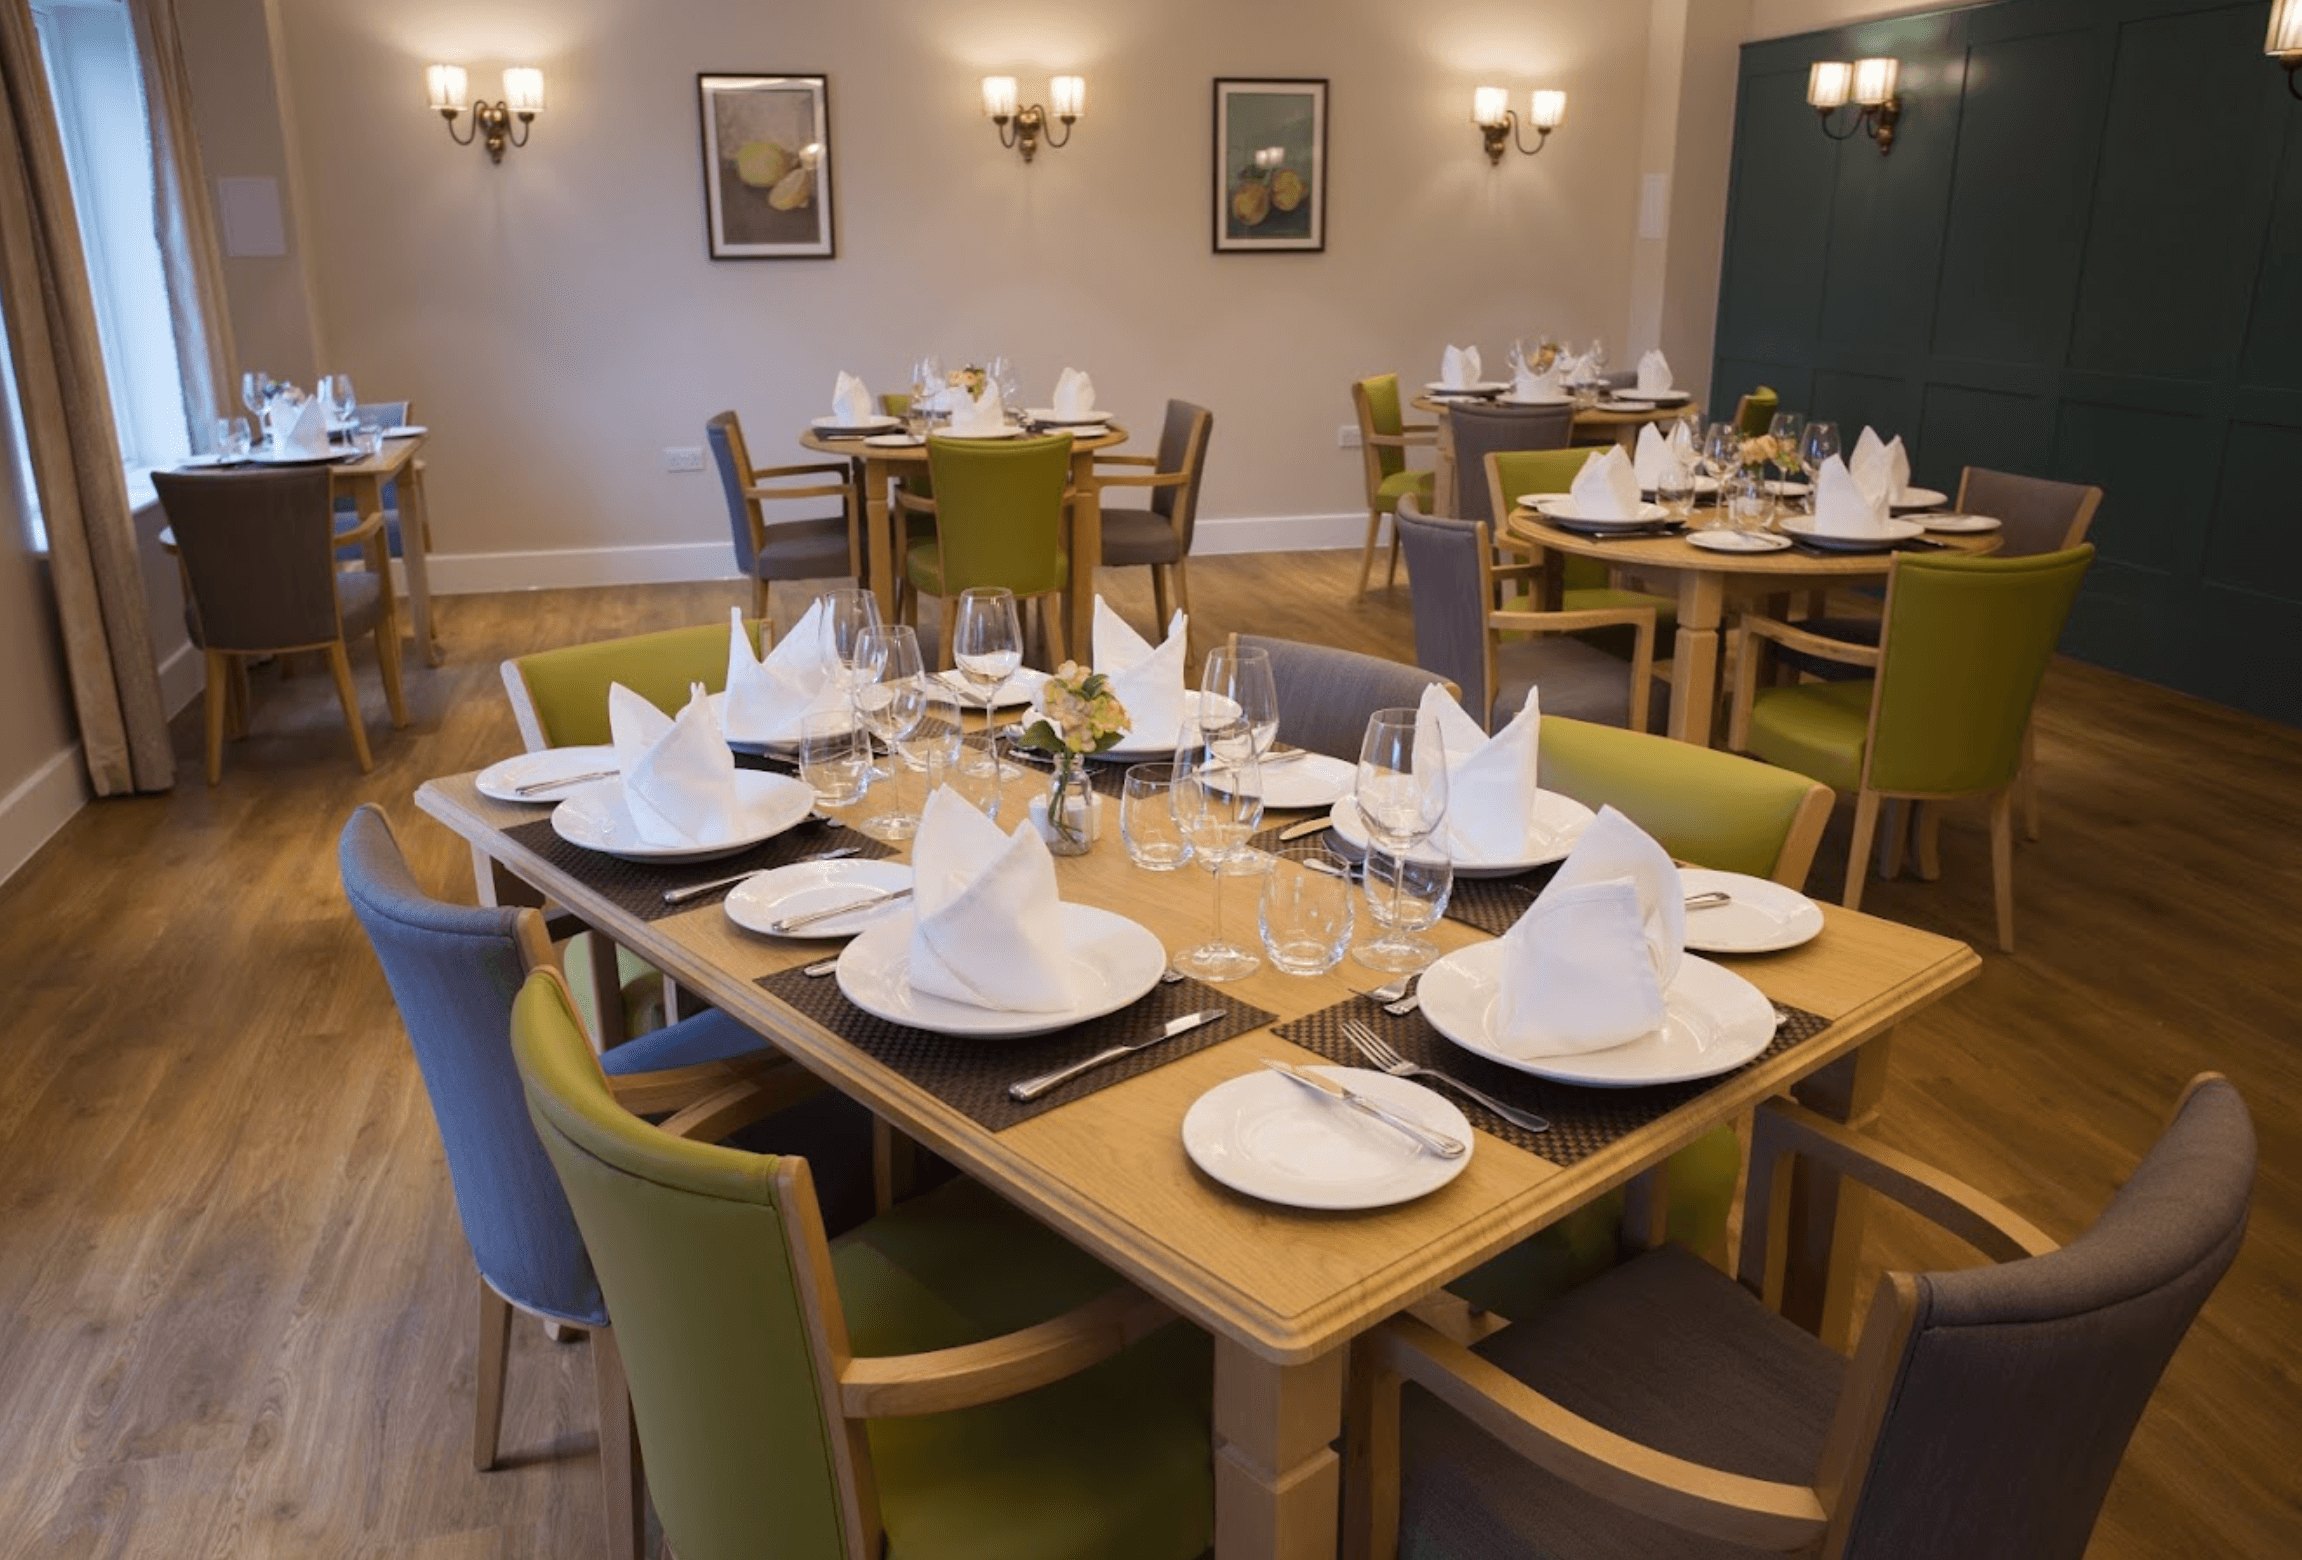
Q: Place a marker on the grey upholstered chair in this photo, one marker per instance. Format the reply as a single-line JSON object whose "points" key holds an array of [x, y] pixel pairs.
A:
{"points": [[1480, 431], [1662, 1410], [257, 553], [1160, 536], [1326, 695], [812, 549], [1452, 568], [453, 972]]}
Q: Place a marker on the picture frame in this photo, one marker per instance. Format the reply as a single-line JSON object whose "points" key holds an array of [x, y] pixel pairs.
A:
{"points": [[767, 166], [1270, 184]]}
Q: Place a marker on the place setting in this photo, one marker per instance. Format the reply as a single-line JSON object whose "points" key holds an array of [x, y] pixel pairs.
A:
{"points": [[1459, 377], [854, 414], [1654, 387], [1604, 500]]}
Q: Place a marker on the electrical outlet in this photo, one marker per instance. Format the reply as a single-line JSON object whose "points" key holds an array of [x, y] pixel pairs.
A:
{"points": [[683, 457], [1347, 436]]}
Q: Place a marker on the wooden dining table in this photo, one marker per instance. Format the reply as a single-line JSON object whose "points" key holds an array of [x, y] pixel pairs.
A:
{"points": [[1282, 1290], [1596, 426]]}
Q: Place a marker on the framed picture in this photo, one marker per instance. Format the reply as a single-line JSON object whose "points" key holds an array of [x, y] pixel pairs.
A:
{"points": [[767, 166], [1270, 165]]}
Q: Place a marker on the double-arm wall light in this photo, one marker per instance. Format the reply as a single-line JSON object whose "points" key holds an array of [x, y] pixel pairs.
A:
{"points": [[2285, 41], [1022, 128], [1869, 85], [1499, 126], [449, 90]]}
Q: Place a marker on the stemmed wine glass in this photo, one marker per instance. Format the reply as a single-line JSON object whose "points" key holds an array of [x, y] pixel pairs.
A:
{"points": [[987, 641], [256, 388], [1239, 701], [849, 613], [892, 704], [337, 395], [1402, 799], [1218, 801], [935, 740], [1815, 450], [1786, 430], [926, 385]]}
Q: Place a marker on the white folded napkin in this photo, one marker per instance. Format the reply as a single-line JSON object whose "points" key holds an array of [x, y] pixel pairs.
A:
{"points": [[988, 929], [1881, 467], [303, 432], [1074, 395], [678, 775], [1490, 780], [976, 415], [851, 403], [1147, 682], [1654, 374], [1528, 384], [1589, 962], [1843, 506], [1459, 369], [768, 699], [1607, 488], [1654, 458]]}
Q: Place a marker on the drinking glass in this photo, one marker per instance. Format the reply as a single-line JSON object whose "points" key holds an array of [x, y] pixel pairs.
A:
{"points": [[1721, 457], [1675, 487], [1218, 802], [1786, 430], [892, 705], [926, 384], [1401, 797], [1815, 451], [1001, 372], [933, 746], [1306, 917], [976, 772], [987, 641], [1147, 820], [255, 391], [232, 438], [1406, 895], [835, 758], [848, 614], [337, 396], [1238, 700]]}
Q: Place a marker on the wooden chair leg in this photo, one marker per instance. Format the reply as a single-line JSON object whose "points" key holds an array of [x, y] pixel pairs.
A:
{"points": [[1890, 839], [1929, 840], [1858, 855], [623, 1491], [388, 659], [488, 1376], [1367, 552], [219, 695], [1159, 598], [947, 621], [2002, 865], [1183, 587], [236, 709], [1051, 631], [349, 697], [2026, 781], [1391, 578]]}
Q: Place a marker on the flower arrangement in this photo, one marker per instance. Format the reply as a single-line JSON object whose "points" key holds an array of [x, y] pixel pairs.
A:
{"points": [[969, 380], [1079, 714], [1765, 450]]}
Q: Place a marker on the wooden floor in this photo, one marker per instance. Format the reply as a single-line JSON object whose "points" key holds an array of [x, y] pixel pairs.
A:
{"points": [[235, 1296]]}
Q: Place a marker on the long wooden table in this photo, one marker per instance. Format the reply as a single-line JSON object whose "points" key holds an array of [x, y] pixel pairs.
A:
{"points": [[1282, 1291], [363, 480]]}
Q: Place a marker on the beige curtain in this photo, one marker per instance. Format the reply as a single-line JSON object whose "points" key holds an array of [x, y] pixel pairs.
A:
{"points": [[75, 453], [184, 218]]}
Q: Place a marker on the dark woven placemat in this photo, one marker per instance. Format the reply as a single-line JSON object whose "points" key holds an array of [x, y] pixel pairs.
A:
{"points": [[971, 1075], [638, 887], [1583, 1120], [1491, 904]]}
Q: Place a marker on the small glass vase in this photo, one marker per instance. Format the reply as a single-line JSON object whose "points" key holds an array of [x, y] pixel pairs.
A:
{"points": [[1748, 501], [1070, 815]]}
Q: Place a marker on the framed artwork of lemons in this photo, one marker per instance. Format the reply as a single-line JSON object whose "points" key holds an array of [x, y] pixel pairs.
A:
{"points": [[1270, 165], [767, 166]]}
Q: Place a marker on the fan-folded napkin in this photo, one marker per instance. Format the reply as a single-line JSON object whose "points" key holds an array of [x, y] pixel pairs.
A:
{"points": [[1490, 780], [851, 402], [1529, 385], [1074, 395], [1147, 682], [976, 415], [1607, 488], [303, 432], [988, 929], [767, 699], [1654, 374], [1881, 467], [1459, 369], [1586, 967], [678, 775], [1843, 506], [1655, 457]]}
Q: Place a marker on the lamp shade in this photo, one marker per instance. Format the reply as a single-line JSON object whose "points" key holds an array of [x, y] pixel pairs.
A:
{"points": [[1545, 108], [999, 96], [1829, 83], [524, 89], [2285, 28], [1070, 95], [1874, 80], [447, 88], [1489, 105]]}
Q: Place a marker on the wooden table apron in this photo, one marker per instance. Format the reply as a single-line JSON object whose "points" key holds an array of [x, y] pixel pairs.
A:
{"points": [[363, 482], [882, 465], [1621, 427], [1282, 1291], [1703, 580]]}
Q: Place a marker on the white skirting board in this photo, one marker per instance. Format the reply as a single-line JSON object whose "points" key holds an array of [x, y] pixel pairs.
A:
{"points": [[41, 804]]}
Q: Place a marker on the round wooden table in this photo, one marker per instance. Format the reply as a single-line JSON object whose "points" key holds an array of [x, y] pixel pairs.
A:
{"points": [[1593, 427]]}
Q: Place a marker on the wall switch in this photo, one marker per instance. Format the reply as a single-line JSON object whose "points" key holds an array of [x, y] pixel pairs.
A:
{"points": [[682, 457], [1347, 436]]}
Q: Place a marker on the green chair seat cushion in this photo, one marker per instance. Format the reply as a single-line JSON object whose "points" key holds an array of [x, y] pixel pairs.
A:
{"points": [[1609, 599], [1817, 729], [924, 564], [1400, 483], [640, 982], [1115, 1461]]}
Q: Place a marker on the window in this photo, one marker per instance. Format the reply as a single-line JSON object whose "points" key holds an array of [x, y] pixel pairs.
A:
{"points": [[20, 453]]}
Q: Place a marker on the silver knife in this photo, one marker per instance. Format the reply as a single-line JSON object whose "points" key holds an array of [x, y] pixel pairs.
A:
{"points": [[1031, 1088], [534, 786], [1308, 827], [885, 896], [1437, 1142]]}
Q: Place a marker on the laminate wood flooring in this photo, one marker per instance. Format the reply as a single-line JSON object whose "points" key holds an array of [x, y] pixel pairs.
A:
{"points": [[237, 1301]]}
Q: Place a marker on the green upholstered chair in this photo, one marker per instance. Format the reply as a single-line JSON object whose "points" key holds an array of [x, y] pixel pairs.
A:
{"points": [[947, 1381], [1002, 515], [1754, 413], [1962, 651], [1159, 534], [1384, 438], [1513, 474], [819, 548], [915, 480]]}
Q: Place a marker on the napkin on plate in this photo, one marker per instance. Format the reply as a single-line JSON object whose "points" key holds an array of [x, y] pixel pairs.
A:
{"points": [[850, 402], [1459, 369], [1607, 488], [1655, 457], [678, 775], [1568, 367], [1843, 506], [767, 699], [1654, 374], [1588, 964], [976, 415], [1881, 468], [1074, 395], [1148, 682], [1528, 384], [988, 930], [1490, 780], [305, 432]]}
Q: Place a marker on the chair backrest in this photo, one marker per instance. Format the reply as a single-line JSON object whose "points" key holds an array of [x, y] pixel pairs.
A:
{"points": [[1447, 561], [2038, 516], [999, 511], [734, 461], [1326, 695], [386, 414], [1964, 646], [2017, 1387], [1706, 807], [1480, 431], [1512, 474], [1183, 447], [1754, 413], [701, 1252], [560, 696], [258, 551], [453, 971], [1376, 401]]}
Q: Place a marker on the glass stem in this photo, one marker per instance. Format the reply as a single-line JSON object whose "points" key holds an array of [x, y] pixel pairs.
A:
{"points": [[1217, 862]]}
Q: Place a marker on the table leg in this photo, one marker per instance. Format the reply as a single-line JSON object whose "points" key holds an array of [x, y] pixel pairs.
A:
{"points": [[1086, 557], [1443, 476], [495, 886], [1277, 1478], [415, 558], [1826, 1211], [1695, 657], [880, 522]]}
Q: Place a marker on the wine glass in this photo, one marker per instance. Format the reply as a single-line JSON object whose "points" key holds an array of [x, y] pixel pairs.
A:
{"points": [[1595, 362], [1238, 700], [1722, 458], [987, 640], [1218, 801], [1786, 430], [892, 703], [337, 395], [933, 745], [1406, 896], [1815, 451], [1401, 798], [255, 392], [848, 613]]}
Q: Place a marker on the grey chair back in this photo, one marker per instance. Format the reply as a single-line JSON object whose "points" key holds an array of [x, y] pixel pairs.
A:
{"points": [[1326, 695], [2039, 516], [454, 971], [2020, 1384], [734, 463], [384, 414], [1183, 447], [1481, 431], [1444, 566], [258, 550]]}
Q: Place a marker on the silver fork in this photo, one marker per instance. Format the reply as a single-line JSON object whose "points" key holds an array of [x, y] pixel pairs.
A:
{"points": [[680, 896], [1399, 998], [1373, 1047]]}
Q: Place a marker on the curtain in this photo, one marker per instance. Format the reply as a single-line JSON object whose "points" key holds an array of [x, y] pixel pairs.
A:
{"points": [[184, 219], [75, 452]]}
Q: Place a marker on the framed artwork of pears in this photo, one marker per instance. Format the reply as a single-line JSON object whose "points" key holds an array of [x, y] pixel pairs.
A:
{"points": [[1270, 165], [767, 166]]}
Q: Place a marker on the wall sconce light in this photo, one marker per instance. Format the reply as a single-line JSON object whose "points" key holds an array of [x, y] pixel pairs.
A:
{"points": [[523, 99], [1491, 112], [1022, 128], [1869, 84], [2285, 41]]}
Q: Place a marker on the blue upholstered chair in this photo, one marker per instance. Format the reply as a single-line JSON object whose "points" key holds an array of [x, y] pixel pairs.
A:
{"points": [[386, 414], [814, 549]]}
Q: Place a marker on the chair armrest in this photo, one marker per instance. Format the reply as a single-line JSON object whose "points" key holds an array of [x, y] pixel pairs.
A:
{"points": [[678, 1088], [1812, 644], [911, 503], [370, 525], [1164, 479], [1102, 459], [821, 468], [892, 1386], [1573, 622], [1406, 439], [1728, 1507], [838, 489]]}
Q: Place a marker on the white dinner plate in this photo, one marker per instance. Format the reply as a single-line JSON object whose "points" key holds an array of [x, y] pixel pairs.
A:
{"points": [[1714, 1021], [1311, 780], [1758, 917], [807, 886], [1054, 419], [1114, 960], [406, 431], [1133, 749], [1705, 485], [1561, 506], [783, 743], [837, 425], [556, 770], [1078, 430], [1283, 1142], [1559, 823], [269, 458], [594, 816], [895, 441], [1615, 403], [1003, 433], [1803, 527], [1919, 498], [1957, 525], [1656, 397], [1737, 541], [1789, 489], [1482, 387], [1560, 399], [1020, 689], [205, 462]]}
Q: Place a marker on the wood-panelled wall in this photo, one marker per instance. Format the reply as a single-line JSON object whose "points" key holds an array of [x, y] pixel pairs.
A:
{"points": [[2083, 259]]}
